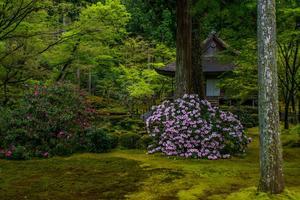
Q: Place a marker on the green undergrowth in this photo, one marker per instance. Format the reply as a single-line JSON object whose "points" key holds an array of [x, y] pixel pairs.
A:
{"points": [[291, 137], [132, 174]]}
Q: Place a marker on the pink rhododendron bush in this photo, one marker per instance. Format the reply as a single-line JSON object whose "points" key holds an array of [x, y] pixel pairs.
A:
{"points": [[191, 127]]}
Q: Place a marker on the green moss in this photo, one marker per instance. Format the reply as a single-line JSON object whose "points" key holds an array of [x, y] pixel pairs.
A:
{"points": [[251, 193], [135, 175], [70, 178]]}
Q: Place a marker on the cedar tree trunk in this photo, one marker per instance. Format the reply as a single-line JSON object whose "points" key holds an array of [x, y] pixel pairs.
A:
{"points": [[183, 49], [271, 174], [197, 71]]}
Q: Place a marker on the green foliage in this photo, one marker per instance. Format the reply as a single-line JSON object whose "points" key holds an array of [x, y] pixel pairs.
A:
{"points": [[62, 149], [154, 20], [129, 140], [20, 153], [246, 114], [47, 119], [241, 83], [106, 21], [240, 15], [145, 141], [134, 175], [291, 137], [129, 124], [99, 140]]}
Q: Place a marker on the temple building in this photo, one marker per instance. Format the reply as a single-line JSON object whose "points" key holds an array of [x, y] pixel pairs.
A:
{"points": [[212, 69]]}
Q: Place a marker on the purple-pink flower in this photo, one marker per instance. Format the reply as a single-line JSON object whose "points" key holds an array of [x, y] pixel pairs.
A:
{"points": [[191, 127], [8, 153]]}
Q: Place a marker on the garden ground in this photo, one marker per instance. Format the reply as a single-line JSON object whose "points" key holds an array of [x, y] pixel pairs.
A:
{"points": [[132, 174]]}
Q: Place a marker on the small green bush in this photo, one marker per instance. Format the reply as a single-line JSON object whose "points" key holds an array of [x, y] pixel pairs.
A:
{"points": [[14, 153], [99, 140], [62, 150], [114, 140], [20, 153], [248, 115], [291, 137], [129, 140], [130, 124], [145, 141]]}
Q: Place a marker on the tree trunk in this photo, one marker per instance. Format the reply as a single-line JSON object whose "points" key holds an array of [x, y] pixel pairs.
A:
{"points": [[271, 173], [197, 72], [183, 49], [286, 113], [69, 61]]}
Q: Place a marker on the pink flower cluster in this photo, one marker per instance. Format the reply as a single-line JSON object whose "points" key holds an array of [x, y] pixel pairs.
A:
{"points": [[190, 127], [6, 153]]}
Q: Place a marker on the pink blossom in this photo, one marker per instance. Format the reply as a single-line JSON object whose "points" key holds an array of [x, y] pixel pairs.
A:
{"points": [[8, 153]]}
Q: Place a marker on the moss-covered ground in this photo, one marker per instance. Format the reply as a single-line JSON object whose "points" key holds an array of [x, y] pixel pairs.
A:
{"points": [[132, 174]]}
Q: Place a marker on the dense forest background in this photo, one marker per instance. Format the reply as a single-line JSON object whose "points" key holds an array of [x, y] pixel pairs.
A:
{"points": [[110, 48]]}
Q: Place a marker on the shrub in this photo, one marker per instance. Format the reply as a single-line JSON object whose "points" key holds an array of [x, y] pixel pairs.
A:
{"points": [[247, 115], [2, 153], [48, 118], [126, 124], [114, 140], [99, 140], [145, 141], [129, 140], [291, 137], [191, 127], [96, 102], [14, 153], [20, 153], [62, 149]]}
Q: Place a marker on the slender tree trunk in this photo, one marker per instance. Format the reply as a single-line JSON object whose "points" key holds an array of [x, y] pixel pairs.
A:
{"points": [[286, 113], [67, 64], [293, 102], [197, 72], [271, 173], [183, 48]]}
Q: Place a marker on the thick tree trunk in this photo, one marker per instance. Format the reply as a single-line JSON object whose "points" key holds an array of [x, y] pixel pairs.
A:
{"points": [[271, 174], [183, 49], [197, 72]]}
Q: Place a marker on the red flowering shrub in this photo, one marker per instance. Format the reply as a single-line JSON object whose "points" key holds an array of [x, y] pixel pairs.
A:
{"points": [[48, 120]]}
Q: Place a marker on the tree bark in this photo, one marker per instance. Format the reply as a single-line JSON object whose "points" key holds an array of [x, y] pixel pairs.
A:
{"points": [[197, 70], [69, 61], [271, 173], [183, 49], [286, 113]]}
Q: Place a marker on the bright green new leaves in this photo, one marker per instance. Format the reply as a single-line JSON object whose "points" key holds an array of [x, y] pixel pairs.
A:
{"points": [[105, 21]]}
